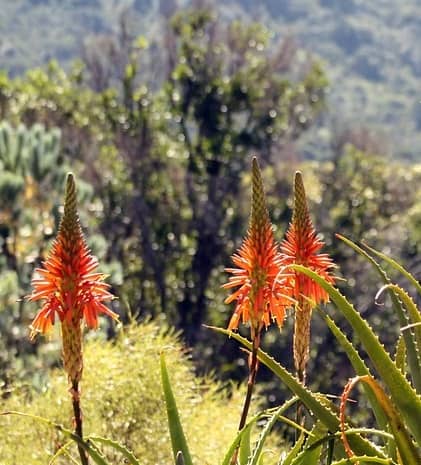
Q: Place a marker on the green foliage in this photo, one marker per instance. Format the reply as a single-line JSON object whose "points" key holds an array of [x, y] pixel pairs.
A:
{"points": [[178, 439], [122, 400], [32, 170], [397, 405], [163, 164]]}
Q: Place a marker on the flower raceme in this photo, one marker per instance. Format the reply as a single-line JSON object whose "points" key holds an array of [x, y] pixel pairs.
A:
{"points": [[260, 296], [301, 246], [73, 291], [67, 282]]}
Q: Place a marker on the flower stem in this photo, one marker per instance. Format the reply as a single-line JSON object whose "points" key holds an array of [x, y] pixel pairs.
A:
{"points": [[301, 345], [78, 419], [253, 366]]}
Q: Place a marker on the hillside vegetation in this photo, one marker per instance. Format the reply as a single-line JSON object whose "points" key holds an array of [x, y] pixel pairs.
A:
{"points": [[369, 50]]}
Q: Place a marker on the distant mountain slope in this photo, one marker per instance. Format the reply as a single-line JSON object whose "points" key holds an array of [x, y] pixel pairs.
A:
{"points": [[371, 49]]}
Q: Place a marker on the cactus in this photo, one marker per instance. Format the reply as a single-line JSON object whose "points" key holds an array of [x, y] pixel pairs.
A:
{"points": [[30, 152]]}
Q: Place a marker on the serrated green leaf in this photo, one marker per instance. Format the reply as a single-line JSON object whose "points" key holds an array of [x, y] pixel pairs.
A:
{"points": [[310, 455], [319, 408], [398, 267], [359, 367], [364, 459], [237, 440], [402, 393], [258, 449], [413, 355], [61, 451], [245, 447], [400, 354], [414, 314], [178, 439], [294, 451], [407, 450]]}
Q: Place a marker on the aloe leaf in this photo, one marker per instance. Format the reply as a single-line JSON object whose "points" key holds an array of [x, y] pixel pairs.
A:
{"points": [[400, 354], [359, 367], [321, 438], [330, 438], [245, 449], [364, 459], [398, 267], [406, 447], [130, 458], [403, 395], [309, 456], [287, 460], [237, 441], [319, 408], [413, 356], [257, 451], [178, 439], [413, 312]]}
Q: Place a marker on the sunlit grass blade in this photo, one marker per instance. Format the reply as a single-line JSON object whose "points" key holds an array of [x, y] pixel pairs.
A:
{"points": [[129, 457], [312, 401], [412, 353], [402, 393], [90, 449], [178, 439], [63, 451]]}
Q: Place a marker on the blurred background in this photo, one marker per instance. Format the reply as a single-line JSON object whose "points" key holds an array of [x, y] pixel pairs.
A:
{"points": [[157, 107]]}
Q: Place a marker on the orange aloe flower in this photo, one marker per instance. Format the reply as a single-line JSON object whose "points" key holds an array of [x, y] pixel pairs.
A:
{"points": [[67, 282], [260, 296], [301, 247]]}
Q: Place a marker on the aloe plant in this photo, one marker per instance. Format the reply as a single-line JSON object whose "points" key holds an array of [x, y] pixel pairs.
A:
{"points": [[268, 283]]}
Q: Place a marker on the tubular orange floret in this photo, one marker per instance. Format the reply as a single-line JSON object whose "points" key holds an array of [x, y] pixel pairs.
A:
{"points": [[302, 245], [67, 282], [260, 296]]}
